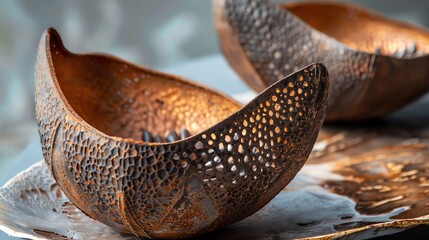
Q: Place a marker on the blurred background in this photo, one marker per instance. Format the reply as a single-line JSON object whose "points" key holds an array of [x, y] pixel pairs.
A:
{"points": [[158, 34]]}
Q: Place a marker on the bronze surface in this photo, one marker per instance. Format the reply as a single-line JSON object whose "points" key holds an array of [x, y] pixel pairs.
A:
{"points": [[377, 65], [360, 182], [91, 110]]}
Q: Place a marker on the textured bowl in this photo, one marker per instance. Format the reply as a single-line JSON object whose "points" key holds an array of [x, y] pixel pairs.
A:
{"points": [[90, 110], [376, 65], [361, 181]]}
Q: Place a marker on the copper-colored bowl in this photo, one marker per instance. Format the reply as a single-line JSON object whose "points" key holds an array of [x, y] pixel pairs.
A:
{"points": [[377, 65], [90, 110], [359, 182]]}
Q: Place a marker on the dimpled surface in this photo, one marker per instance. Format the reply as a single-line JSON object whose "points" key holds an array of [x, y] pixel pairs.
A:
{"points": [[259, 38], [224, 173], [363, 181]]}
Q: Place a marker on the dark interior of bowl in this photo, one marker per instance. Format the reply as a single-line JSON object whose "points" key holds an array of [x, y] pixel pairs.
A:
{"points": [[362, 30], [120, 99]]}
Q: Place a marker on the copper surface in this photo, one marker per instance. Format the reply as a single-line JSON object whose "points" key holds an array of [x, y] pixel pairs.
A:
{"points": [[361, 181], [91, 110], [377, 65]]}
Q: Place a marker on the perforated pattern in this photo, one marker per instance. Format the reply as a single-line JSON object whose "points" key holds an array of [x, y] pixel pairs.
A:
{"points": [[265, 139], [187, 187]]}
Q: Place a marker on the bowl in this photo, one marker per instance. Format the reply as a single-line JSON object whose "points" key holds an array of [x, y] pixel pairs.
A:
{"points": [[157, 156], [377, 65], [362, 180]]}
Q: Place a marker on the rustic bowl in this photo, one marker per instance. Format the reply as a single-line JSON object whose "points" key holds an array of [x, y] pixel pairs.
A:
{"points": [[90, 110], [361, 181], [377, 65]]}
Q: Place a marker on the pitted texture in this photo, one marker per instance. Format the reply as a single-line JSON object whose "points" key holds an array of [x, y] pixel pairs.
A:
{"points": [[259, 38], [109, 171], [229, 170], [129, 99], [367, 180], [48, 111]]}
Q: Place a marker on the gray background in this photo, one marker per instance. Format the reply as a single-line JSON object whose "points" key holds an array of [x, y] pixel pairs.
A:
{"points": [[161, 34]]}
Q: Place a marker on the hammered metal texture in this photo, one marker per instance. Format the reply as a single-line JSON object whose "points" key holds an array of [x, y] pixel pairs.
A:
{"points": [[90, 110], [370, 58], [360, 182]]}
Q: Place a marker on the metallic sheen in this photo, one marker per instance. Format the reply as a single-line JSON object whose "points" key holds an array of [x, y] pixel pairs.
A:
{"points": [[91, 111], [377, 65], [361, 181]]}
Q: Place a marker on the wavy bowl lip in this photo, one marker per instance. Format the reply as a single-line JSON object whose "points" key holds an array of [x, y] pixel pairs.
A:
{"points": [[361, 10], [51, 35]]}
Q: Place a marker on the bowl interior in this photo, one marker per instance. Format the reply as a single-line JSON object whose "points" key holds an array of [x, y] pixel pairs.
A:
{"points": [[121, 99], [362, 30]]}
